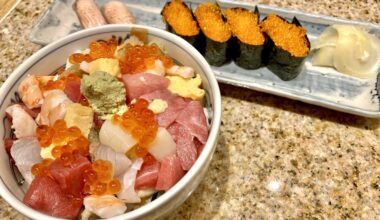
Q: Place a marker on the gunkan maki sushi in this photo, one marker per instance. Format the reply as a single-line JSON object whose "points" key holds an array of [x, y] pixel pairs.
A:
{"points": [[180, 20], [287, 47], [216, 33], [248, 38]]}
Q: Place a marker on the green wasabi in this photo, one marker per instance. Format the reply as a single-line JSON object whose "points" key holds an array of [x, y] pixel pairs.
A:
{"points": [[105, 94]]}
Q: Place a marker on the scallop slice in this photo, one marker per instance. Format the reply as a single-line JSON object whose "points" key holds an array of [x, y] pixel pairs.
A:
{"points": [[115, 137], [163, 145]]}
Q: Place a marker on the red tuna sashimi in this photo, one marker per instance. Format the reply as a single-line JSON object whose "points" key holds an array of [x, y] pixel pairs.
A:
{"points": [[186, 150], [143, 83], [70, 178], [72, 90], [146, 177], [194, 119], [45, 195], [170, 172], [175, 105], [199, 146]]}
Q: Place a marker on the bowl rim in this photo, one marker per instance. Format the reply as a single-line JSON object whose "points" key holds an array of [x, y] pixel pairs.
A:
{"points": [[200, 162]]}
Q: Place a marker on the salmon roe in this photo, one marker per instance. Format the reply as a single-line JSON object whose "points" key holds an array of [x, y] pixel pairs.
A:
{"points": [[66, 140], [77, 58], [42, 168], [139, 121], [60, 83], [140, 58], [99, 179], [102, 49]]}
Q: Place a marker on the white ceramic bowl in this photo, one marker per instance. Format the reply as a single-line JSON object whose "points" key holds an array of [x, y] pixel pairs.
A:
{"points": [[53, 56]]}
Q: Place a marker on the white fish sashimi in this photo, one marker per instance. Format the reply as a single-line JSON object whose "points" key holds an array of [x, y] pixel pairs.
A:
{"points": [[23, 124], [26, 152], [127, 192], [120, 162], [53, 108], [106, 206], [163, 145], [115, 137]]}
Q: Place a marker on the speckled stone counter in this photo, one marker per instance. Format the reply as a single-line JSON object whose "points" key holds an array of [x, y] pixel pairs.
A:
{"points": [[276, 158]]}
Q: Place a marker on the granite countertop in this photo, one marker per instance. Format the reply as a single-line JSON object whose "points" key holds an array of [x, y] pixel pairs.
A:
{"points": [[276, 158]]}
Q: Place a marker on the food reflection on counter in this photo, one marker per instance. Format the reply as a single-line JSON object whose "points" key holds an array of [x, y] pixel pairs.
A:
{"points": [[113, 12], [237, 34], [349, 49], [121, 124]]}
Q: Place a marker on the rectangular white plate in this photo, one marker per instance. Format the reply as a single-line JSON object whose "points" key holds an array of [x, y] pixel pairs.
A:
{"points": [[319, 86]]}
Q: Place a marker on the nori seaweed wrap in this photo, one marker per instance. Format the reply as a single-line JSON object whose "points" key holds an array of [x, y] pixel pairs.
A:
{"points": [[216, 33], [248, 40], [180, 20], [287, 46]]}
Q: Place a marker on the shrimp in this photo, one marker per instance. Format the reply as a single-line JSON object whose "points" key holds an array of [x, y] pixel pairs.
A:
{"points": [[183, 71], [30, 92], [105, 206], [53, 108], [22, 123]]}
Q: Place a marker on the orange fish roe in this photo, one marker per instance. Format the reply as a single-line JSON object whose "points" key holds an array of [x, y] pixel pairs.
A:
{"points": [[102, 49], [42, 168], [60, 83], [66, 141], [76, 58], [140, 122], [99, 179], [140, 58]]}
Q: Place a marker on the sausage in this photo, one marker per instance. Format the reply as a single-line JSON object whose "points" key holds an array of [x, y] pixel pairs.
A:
{"points": [[117, 12], [89, 13]]}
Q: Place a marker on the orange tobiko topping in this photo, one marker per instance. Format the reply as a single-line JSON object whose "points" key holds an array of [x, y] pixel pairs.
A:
{"points": [[99, 179], [59, 83], [141, 123], [140, 58]]}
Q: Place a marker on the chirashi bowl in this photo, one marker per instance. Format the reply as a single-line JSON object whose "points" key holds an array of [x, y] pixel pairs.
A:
{"points": [[53, 56]]}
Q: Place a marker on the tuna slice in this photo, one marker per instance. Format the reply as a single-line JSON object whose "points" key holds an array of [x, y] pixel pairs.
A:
{"points": [[45, 195], [143, 83], [186, 150], [170, 173], [199, 146], [147, 176], [175, 105], [72, 90], [70, 178], [194, 119]]}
